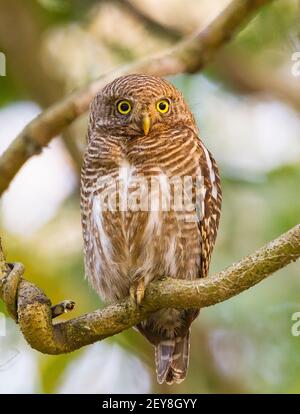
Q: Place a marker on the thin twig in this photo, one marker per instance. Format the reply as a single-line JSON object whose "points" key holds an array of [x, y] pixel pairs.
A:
{"points": [[3, 265]]}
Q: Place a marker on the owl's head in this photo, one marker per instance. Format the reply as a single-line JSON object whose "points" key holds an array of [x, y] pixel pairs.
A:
{"points": [[137, 104]]}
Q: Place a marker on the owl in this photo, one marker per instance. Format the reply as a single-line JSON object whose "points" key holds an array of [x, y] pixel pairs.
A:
{"points": [[150, 205]]}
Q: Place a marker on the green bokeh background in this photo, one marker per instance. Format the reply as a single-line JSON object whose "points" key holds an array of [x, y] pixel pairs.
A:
{"points": [[242, 345]]}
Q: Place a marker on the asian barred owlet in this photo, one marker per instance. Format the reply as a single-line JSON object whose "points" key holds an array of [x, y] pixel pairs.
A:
{"points": [[150, 204]]}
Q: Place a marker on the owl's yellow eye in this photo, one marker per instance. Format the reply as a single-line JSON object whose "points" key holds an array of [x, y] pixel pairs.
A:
{"points": [[162, 106], [124, 107]]}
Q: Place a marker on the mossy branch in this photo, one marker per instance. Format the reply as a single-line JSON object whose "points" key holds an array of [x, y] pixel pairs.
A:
{"points": [[189, 55], [34, 311]]}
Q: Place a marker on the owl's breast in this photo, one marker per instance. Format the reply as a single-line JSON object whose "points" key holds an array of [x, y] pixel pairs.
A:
{"points": [[142, 222]]}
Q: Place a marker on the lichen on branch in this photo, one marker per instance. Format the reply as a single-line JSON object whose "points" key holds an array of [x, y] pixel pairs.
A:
{"points": [[34, 310]]}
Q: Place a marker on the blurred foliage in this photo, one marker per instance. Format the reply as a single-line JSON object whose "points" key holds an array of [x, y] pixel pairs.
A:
{"points": [[9, 91], [270, 29], [242, 345]]}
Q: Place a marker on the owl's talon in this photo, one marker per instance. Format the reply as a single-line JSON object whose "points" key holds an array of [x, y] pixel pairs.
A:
{"points": [[137, 291], [132, 293], [140, 291]]}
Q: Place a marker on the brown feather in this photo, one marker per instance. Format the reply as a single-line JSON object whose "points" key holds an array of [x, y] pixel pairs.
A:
{"points": [[123, 245]]}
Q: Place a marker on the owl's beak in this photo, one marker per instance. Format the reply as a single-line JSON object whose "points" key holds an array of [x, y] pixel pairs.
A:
{"points": [[146, 124]]}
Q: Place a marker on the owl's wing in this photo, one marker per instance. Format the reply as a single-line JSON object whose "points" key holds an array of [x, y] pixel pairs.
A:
{"points": [[210, 210]]}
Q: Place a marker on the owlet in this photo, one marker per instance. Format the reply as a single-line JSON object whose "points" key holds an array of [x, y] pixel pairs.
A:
{"points": [[150, 205]]}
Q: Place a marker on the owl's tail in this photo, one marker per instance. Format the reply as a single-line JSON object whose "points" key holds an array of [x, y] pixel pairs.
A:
{"points": [[172, 359]]}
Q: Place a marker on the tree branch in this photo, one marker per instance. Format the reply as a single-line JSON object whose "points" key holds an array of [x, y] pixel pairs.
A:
{"points": [[149, 22], [3, 265], [35, 312], [189, 55], [252, 78]]}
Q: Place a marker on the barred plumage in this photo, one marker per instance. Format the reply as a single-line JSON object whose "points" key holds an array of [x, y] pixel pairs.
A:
{"points": [[150, 203]]}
